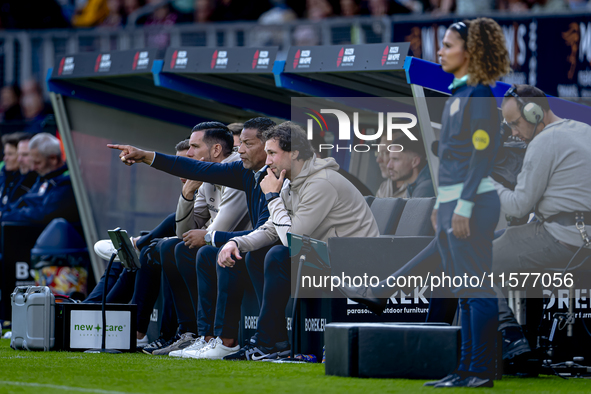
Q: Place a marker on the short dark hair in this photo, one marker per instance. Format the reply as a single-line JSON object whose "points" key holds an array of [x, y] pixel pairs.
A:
{"points": [[417, 147], [14, 138], [236, 128], [291, 137], [530, 94], [183, 145], [261, 125], [216, 133], [220, 136], [24, 136], [208, 125]]}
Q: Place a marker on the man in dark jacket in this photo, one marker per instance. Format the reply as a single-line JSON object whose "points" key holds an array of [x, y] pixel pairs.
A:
{"points": [[410, 166], [51, 196]]}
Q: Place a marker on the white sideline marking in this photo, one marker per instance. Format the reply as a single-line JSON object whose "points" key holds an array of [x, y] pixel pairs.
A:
{"points": [[53, 386]]}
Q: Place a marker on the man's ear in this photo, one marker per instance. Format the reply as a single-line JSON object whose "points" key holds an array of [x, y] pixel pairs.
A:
{"points": [[55, 160], [416, 161], [295, 154], [217, 150]]}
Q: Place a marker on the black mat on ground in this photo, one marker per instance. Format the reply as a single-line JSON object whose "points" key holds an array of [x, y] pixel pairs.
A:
{"points": [[391, 350]]}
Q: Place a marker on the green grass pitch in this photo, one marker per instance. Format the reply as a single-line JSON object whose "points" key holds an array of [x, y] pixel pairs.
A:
{"points": [[73, 372]]}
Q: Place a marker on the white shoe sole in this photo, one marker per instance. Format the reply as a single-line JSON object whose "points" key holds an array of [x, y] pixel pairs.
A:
{"points": [[219, 356], [176, 353]]}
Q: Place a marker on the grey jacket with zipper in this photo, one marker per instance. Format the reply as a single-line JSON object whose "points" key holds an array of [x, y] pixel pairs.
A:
{"points": [[320, 203]]}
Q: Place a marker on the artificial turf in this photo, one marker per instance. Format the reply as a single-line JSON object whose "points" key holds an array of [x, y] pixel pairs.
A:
{"points": [[72, 372]]}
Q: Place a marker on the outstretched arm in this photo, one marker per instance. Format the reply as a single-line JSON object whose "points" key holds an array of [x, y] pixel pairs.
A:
{"points": [[130, 155], [225, 174]]}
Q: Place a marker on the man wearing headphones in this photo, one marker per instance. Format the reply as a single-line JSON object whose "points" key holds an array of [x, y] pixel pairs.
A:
{"points": [[553, 182]]}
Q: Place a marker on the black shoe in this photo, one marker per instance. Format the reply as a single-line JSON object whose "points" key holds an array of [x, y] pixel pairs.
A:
{"points": [[253, 351], [363, 295], [160, 343], [471, 381], [449, 378], [512, 349]]}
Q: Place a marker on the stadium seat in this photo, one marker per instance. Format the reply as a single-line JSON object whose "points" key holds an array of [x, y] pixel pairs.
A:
{"points": [[387, 212], [416, 218]]}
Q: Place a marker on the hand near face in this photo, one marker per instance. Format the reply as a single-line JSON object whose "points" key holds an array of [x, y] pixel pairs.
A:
{"points": [[190, 187], [271, 184]]}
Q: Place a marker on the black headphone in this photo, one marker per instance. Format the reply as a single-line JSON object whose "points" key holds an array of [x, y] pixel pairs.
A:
{"points": [[531, 112]]}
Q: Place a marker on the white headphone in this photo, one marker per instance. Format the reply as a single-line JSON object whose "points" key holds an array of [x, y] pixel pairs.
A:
{"points": [[531, 112]]}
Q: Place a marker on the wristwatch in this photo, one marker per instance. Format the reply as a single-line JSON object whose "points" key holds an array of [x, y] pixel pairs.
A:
{"points": [[208, 238], [271, 196]]}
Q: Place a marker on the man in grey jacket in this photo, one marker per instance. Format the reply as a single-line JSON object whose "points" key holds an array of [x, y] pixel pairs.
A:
{"points": [[317, 201], [554, 181]]}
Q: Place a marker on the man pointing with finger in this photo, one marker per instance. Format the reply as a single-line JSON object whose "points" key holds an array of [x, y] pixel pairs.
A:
{"points": [[220, 290], [318, 202]]}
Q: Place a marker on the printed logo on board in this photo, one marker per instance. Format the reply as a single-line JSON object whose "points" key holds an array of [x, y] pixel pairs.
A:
{"points": [[346, 57], [103, 63], [391, 55], [141, 60], [66, 66], [219, 60], [261, 60], [179, 60], [302, 59]]}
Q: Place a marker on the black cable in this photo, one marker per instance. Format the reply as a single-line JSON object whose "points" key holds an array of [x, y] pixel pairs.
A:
{"points": [[554, 288], [295, 303], [585, 326], [545, 304], [556, 372]]}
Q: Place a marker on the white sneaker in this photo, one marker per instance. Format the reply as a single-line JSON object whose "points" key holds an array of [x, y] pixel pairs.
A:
{"points": [[198, 344], [217, 350], [194, 353], [142, 343], [105, 249]]}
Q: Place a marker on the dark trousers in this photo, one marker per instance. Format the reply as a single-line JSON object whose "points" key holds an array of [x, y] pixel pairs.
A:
{"points": [[270, 271], [442, 305], [473, 257], [166, 228], [141, 287], [220, 294], [120, 286], [147, 288], [178, 264], [527, 248]]}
